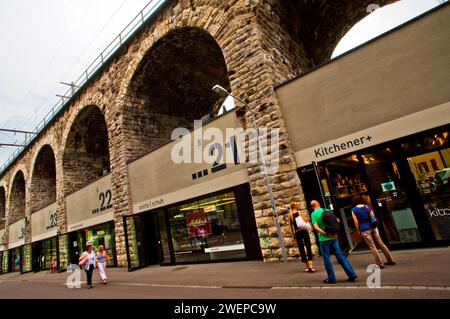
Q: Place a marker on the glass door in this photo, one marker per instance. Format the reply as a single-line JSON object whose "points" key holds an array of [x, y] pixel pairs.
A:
{"points": [[390, 198], [134, 236], [5, 261], [63, 253], [16, 259], [346, 180], [27, 261]]}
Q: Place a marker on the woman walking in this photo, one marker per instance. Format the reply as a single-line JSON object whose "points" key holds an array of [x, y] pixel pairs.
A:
{"points": [[102, 259], [301, 235], [366, 224], [87, 261]]}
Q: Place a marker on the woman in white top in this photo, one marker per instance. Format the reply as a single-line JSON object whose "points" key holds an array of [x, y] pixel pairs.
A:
{"points": [[102, 259], [87, 261]]}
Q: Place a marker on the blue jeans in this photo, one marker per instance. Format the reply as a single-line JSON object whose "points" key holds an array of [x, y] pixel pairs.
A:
{"points": [[325, 247]]}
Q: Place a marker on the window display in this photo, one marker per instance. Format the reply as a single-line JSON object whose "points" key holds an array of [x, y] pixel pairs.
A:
{"points": [[5, 261], [207, 229], [431, 172], [16, 259], [63, 244], [27, 261], [102, 235]]}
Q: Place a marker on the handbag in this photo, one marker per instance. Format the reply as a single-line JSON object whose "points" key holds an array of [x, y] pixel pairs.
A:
{"points": [[83, 261], [301, 224]]}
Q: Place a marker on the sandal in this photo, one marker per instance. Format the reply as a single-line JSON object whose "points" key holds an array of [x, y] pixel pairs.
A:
{"points": [[312, 270]]}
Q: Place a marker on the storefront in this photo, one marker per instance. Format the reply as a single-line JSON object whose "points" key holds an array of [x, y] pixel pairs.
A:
{"points": [[361, 125], [407, 181], [215, 227], [16, 241], [196, 211], [44, 239], [90, 219]]}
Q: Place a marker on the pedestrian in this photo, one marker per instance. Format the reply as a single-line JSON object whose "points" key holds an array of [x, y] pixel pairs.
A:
{"points": [[366, 223], [300, 234], [102, 259], [87, 261], [328, 241]]}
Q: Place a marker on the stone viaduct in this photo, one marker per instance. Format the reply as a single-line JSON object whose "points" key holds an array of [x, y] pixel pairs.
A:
{"points": [[161, 79]]}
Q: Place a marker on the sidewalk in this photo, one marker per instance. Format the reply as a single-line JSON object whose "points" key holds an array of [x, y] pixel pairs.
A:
{"points": [[420, 269]]}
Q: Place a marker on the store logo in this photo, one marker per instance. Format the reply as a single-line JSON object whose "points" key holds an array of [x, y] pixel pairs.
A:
{"points": [[339, 147], [222, 151], [374, 279], [439, 212], [53, 220], [74, 279]]}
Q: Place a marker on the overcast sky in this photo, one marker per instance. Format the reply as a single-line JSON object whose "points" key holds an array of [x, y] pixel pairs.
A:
{"points": [[48, 41]]}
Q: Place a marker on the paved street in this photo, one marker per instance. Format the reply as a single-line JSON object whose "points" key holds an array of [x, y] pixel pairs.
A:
{"points": [[421, 273]]}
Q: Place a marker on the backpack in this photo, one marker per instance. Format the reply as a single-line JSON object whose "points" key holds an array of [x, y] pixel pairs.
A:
{"points": [[331, 222]]}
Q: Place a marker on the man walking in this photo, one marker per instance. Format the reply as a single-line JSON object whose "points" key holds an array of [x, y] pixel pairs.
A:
{"points": [[328, 242]]}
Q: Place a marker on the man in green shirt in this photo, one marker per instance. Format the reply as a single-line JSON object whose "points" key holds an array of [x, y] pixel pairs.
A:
{"points": [[328, 242]]}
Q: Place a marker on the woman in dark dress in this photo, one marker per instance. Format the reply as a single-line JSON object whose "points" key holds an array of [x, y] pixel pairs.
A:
{"points": [[301, 236]]}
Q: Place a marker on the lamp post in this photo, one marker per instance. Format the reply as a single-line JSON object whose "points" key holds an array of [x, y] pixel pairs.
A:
{"points": [[222, 91]]}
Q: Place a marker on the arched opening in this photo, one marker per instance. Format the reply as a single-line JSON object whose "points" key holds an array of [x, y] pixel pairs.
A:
{"points": [[172, 87], [43, 180], [17, 198], [86, 155], [312, 29], [2, 207], [380, 21]]}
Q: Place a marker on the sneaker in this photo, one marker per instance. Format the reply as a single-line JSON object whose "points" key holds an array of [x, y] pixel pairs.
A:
{"points": [[326, 281], [353, 279], [392, 263]]}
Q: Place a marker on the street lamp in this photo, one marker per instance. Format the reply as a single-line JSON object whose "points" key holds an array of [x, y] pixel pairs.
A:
{"points": [[222, 91]]}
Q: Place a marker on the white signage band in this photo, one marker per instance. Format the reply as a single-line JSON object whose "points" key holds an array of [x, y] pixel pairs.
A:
{"points": [[388, 131]]}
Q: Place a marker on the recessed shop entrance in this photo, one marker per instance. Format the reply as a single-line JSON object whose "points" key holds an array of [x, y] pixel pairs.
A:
{"points": [[407, 182], [216, 227]]}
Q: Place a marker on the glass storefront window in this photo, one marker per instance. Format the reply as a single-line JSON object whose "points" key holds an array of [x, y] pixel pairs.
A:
{"points": [[63, 243], [207, 229], [16, 259], [49, 256], [27, 262], [5, 261], [102, 235], [432, 174]]}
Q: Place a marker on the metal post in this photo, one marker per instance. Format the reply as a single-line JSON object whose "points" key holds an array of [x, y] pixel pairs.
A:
{"points": [[269, 187]]}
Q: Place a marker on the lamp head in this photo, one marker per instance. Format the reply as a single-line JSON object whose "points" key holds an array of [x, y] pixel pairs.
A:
{"points": [[220, 90]]}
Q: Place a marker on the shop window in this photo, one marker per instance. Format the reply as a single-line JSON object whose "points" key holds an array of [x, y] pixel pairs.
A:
{"points": [[5, 262], [434, 190], [207, 229]]}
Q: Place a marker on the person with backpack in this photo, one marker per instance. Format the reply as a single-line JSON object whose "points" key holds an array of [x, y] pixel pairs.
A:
{"points": [[300, 233], [326, 224], [366, 224]]}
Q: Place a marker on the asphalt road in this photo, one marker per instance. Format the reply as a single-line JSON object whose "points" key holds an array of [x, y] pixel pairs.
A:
{"points": [[421, 273]]}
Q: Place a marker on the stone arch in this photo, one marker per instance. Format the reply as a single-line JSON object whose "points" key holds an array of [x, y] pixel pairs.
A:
{"points": [[171, 87], [314, 28], [43, 179], [2, 206], [85, 155], [17, 197]]}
